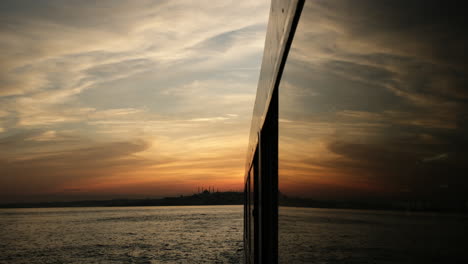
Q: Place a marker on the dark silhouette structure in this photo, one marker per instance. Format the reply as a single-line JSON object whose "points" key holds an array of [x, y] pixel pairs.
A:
{"points": [[202, 198]]}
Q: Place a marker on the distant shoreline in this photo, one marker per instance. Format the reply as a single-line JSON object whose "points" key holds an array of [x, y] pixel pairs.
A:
{"points": [[205, 198], [407, 205], [237, 198]]}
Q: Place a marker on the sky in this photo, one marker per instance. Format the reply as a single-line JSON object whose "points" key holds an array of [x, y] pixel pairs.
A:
{"points": [[373, 102], [111, 99]]}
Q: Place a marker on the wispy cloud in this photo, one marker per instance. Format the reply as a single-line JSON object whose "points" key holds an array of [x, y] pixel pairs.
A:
{"points": [[120, 71], [373, 99]]}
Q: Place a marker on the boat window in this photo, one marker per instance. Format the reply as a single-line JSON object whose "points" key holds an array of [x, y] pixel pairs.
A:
{"points": [[373, 134]]}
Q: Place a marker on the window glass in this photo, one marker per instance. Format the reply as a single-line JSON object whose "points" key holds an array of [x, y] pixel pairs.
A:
{"points": [[373, 134]]}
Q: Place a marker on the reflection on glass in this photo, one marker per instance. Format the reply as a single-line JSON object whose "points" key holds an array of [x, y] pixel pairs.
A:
{"points": [[252, 206], [373, 122]]}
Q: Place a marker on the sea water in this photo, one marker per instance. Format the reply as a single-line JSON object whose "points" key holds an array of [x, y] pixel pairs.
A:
{"points": [[172, 234], [314, 235], [213, 234]]}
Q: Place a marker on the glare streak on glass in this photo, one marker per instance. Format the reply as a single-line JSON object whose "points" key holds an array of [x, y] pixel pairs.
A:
{"points": [[373, 121]]}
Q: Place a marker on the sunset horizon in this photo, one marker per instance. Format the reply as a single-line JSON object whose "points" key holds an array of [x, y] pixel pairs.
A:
{"points": [[126, 99], [271, 131]]}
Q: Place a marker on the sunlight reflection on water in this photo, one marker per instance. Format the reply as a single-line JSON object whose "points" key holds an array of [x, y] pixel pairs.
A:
{"points": [[178, 234]]}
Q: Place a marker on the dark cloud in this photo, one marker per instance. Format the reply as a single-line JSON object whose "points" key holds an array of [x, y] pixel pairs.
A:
{"points": [[44, 171], [72, 13], [382, 85], [410, 167], [415, 50], [423, 28]]}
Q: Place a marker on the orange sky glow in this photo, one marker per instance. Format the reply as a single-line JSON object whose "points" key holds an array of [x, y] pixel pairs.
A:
{"points": [[125, 99]]}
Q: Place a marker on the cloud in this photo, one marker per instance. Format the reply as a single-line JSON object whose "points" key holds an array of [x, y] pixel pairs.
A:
{"points": [[54, 58], [77, 78], [209, 119], [46, 136], [370, 46], [372, 101], [48, 170], [442, 156]]}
